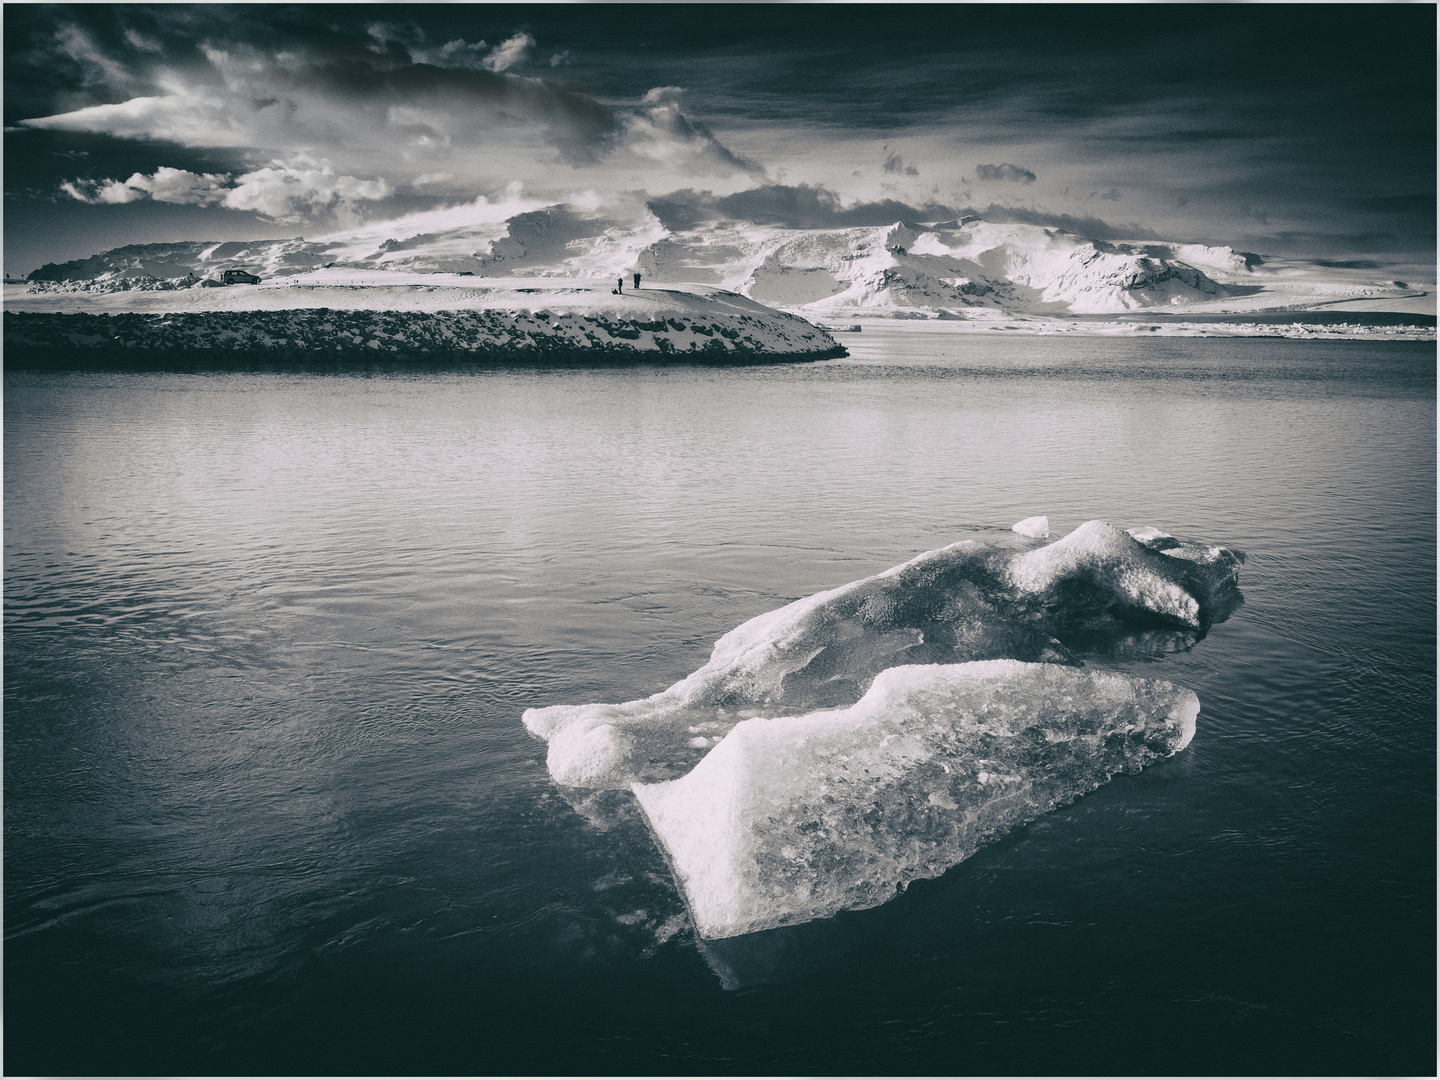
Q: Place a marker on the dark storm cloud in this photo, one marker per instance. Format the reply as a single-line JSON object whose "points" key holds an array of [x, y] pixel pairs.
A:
{"points": [[1091, 228], [1006, 172], [797, 207]]}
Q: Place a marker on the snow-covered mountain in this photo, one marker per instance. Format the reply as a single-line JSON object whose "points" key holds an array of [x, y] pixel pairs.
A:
{"points": [[905, 269]]}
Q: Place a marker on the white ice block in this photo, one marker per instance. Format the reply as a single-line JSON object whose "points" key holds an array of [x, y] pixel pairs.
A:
{"points": [[795, 818]]}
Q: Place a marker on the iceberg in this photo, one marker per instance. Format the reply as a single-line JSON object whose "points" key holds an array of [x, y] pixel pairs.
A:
{"points": [[795, 818], [996, 595]]}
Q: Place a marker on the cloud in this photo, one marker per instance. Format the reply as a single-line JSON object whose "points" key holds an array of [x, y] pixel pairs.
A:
{"points": [[509, 53], [658, 131], [797, 207], [894, 163], [456, 53], [398, 102], [1005, 171], [139, 41], [815, 207], [1089, 227], [281, 191], [290, 191], [167, 185], [96, 66]]}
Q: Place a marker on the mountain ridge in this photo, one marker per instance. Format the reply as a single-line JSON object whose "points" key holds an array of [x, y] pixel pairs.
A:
{"points": [[965, 267]]}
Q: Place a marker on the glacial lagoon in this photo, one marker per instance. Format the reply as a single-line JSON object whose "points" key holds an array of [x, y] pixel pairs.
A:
{"points": [[270, 805]]}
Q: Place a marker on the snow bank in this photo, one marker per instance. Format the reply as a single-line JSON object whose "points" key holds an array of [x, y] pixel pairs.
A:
{"points": [[796, 818], [996, 595]]}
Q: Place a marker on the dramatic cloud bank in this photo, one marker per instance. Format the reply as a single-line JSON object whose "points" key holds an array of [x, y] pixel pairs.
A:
{"points": [[281, 191], [336, 127]]}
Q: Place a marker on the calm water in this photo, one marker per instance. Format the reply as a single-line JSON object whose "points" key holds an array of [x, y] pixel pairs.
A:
{"points": [[269, 806]]}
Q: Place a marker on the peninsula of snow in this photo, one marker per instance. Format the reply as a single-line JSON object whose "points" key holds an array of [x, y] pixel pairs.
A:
{"points": [[336, 314]]}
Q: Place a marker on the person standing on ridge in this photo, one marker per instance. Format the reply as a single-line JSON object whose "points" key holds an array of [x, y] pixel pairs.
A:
{"points": [[620, 285], [637, 280]]}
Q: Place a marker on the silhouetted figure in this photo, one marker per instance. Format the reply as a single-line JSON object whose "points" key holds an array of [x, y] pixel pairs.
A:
{"points": [[637, 280], [620, 285]]}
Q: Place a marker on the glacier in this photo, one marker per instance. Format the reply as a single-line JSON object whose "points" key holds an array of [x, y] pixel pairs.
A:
{"points": [[796, 818], [996, 595]]}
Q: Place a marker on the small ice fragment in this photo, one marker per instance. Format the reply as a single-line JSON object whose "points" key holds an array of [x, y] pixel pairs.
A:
{"points": [[1038, 527], [1149, 532], [699, 742]]}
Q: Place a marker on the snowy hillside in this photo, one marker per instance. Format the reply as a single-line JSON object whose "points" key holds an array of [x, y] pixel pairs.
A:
{"points": [[952, 269]]}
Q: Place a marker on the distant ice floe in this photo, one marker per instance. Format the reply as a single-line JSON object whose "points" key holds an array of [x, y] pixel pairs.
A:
{"points": [[847, 743], [1038, 527]]}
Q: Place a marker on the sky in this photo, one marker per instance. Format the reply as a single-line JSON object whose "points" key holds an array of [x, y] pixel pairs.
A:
{"points": [[1303, 130]]}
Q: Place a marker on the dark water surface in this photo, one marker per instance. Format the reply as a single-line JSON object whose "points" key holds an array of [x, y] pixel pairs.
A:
{"points": [[269, 806]]}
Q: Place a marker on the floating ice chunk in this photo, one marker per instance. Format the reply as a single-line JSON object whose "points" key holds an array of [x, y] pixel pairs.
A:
{"points": [[1005, 596], [1038, 527], [795, 818], [1099, 568]]}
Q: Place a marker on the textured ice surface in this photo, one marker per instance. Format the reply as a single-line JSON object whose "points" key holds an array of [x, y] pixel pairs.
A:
{"points": [[1038, 527], [795, 818], [1001, 596]]}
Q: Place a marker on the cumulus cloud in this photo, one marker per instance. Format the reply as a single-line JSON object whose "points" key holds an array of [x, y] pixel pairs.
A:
{"points": [[167, 185], [290, 191], [281, 191], [1005, 171]]}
